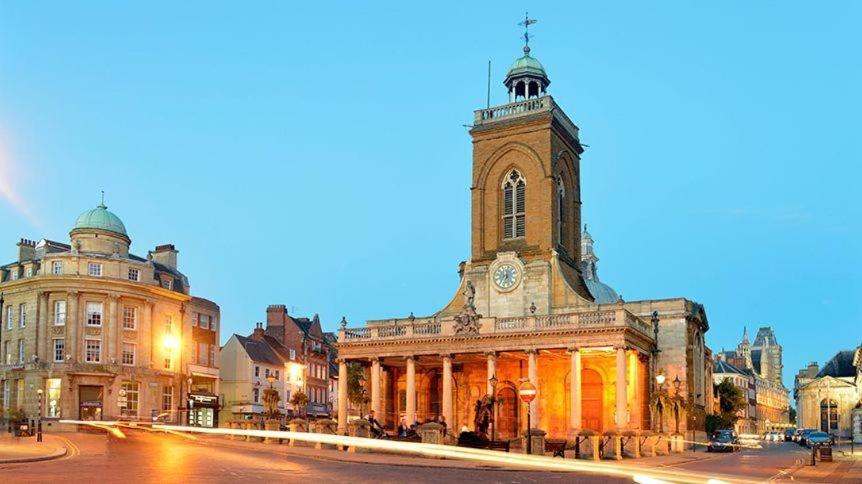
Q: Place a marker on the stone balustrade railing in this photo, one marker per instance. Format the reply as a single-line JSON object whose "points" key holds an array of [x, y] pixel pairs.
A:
{"points": [[514, 110], [407, 329]]}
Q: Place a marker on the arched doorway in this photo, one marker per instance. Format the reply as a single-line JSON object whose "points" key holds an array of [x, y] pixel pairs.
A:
{"points": [[829, 416], [592, 400], [507, 414]]}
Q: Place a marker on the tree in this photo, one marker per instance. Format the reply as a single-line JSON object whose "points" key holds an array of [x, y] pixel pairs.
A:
{"points": [[791, 415], [356, 392], [299, 400], [730, 399], [270, 402]]}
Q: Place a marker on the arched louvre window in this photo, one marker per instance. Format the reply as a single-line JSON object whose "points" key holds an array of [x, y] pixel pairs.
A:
{"points": [[514, 222], [561, 215]]}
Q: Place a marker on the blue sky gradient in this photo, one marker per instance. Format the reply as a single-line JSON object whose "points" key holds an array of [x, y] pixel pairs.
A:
{"points": [[313, 154]]}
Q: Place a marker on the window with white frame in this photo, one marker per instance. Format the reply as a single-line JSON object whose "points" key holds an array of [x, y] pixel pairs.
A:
{"points": [[134, 274], [204, 321], [194, 319], [28, 272], [59, 313], [57, 267], [21, 357], [94, 313], [167, 398], [131, 407], [10, 311], [59, 350], [93, 350], [514, 200], [130, 317], [212, 324], [129, 354], [22, 315], [292, 354], [13, 273], [94, 269]]}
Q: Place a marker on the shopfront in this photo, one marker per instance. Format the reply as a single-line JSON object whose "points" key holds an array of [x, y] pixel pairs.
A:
{"points": [[90, 402], [203, 410]]}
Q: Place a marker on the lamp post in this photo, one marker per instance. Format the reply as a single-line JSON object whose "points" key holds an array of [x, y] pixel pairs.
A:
{"points": [[39, 418], [659, 381], [493, 382], [527, 392]]}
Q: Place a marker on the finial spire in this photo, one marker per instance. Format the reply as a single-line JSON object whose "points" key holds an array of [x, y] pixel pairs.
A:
{"points": [[526, 23], [103, 200]]}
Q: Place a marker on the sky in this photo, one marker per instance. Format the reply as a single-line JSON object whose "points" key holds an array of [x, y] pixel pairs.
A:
{"points": [[314, 154]]}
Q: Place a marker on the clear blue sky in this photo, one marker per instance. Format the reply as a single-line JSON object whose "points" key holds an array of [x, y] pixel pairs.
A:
{"points": [[313, 154]]}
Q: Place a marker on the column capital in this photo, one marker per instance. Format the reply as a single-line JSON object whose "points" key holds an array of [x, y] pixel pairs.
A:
{"points": [[113, 296], [446, 355], [411, 358], [72, 293], [490, 354], [621, 347], [374, 359], [532, 351], [342, 360], [573, 349]]}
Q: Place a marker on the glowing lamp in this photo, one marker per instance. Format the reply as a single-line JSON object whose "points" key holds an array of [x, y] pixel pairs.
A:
{"points": [[170, 342]]}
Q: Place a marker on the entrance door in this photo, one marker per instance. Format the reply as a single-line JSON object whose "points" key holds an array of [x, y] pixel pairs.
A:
{"points": [[507, 414], [89, 402], [592, 401]]}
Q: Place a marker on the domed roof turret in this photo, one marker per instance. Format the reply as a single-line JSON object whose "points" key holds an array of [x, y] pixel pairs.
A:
{"points": [[527, 66], [601, 292], [102, 219]]}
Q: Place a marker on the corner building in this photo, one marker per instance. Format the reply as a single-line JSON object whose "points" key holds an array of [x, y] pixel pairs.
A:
{"points": [[105, 333], [529, 304]]}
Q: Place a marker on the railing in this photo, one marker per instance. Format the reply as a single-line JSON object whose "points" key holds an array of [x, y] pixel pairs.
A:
{"points": [[509, 324], [426, 329], [407, 329], [513, 110]]}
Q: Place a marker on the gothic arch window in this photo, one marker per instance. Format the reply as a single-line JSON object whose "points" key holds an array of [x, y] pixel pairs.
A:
{"points": [[561, 214], [514, 199]]}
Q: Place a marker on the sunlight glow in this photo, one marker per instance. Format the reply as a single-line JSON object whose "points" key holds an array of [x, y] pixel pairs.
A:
{"points": [[8, 174]]}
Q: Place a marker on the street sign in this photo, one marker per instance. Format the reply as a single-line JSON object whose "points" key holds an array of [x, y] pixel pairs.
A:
{"points": [[122, 392], [527, 392]]}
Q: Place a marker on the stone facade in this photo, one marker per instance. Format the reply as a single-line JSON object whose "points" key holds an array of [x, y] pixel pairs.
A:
{"points": [[523, 311], [829, 399], [105, 333]]}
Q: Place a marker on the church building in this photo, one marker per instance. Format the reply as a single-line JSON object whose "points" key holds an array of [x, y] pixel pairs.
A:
{"points": [[529, 305]]}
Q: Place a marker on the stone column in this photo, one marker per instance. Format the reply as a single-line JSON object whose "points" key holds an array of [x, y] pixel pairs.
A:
{"points": [[411, 390], [375, 387], [72, 324], [109, 328], [447, 391], [342, 396], [621, 389], [492, 369], [533, 375], [43, 334], [575, 390]]}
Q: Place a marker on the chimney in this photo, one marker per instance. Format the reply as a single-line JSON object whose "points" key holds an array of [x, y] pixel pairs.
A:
{"points": [[276, 315], [166, 255], [26, 250], [258, 332]]}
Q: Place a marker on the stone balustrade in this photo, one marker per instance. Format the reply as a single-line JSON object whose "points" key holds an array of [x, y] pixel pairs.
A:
{"points": [[430, 328]]}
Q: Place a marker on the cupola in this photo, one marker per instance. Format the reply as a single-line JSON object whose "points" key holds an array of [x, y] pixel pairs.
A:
{"points": [[100, 231], [526, 78]]}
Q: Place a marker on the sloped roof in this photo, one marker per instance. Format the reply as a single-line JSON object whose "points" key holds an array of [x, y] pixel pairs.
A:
{"points": [[841, 365], [725, 367]]}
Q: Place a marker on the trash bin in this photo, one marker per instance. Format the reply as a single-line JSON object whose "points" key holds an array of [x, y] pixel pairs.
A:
{"points": [[825, 453]]}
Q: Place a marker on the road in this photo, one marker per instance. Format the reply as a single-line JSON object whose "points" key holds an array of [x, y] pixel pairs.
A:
{"points": [[157, 457], [143, 457]]}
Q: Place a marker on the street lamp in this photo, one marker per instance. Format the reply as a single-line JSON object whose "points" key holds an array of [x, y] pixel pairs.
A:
{"points": [[39, 422], [676, 384], [527, 393], [659, 381], [655, 320]]}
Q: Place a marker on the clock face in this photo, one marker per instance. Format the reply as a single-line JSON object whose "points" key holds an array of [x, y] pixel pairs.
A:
{"points": [[506, 276]]}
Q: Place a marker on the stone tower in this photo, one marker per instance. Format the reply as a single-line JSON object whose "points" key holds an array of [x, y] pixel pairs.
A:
{"points": [[526, 202]]}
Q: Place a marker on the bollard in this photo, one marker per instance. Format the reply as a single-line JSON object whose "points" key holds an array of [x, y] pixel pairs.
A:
{"points": [[297, 425], [324, 426], [594, 440], [359, 428]]}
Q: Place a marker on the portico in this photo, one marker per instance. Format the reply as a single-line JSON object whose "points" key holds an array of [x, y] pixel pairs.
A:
{"points": [[590, 368]]}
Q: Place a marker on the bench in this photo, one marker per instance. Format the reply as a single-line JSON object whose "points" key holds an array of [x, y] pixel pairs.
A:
{"points": [[556, 447]]}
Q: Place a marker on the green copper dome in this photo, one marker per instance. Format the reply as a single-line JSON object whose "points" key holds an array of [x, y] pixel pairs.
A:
{"points": [[527, 65], [101, 218]]}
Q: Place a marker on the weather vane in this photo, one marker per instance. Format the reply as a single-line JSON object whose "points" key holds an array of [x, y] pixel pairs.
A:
{"points": [[526, 23]]}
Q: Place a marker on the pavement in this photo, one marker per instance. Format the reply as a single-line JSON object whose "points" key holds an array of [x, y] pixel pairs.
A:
{"points": [[158, 457], [26, 449]]}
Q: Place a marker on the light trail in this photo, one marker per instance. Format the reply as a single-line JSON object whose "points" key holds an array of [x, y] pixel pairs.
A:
{"points": [[637, 472], [8, 176]]}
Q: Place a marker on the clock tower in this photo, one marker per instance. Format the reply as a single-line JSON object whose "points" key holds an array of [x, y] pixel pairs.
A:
{"points": [[526, 203]]}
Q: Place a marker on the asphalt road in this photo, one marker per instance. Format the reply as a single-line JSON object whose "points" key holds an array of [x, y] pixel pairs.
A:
{"points": [[144, 457], [157, 457]]}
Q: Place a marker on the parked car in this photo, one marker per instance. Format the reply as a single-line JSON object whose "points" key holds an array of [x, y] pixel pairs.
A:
{"points": [[771, 437], [788, 434], [723, 441], [803, 436], [818, 439]]}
